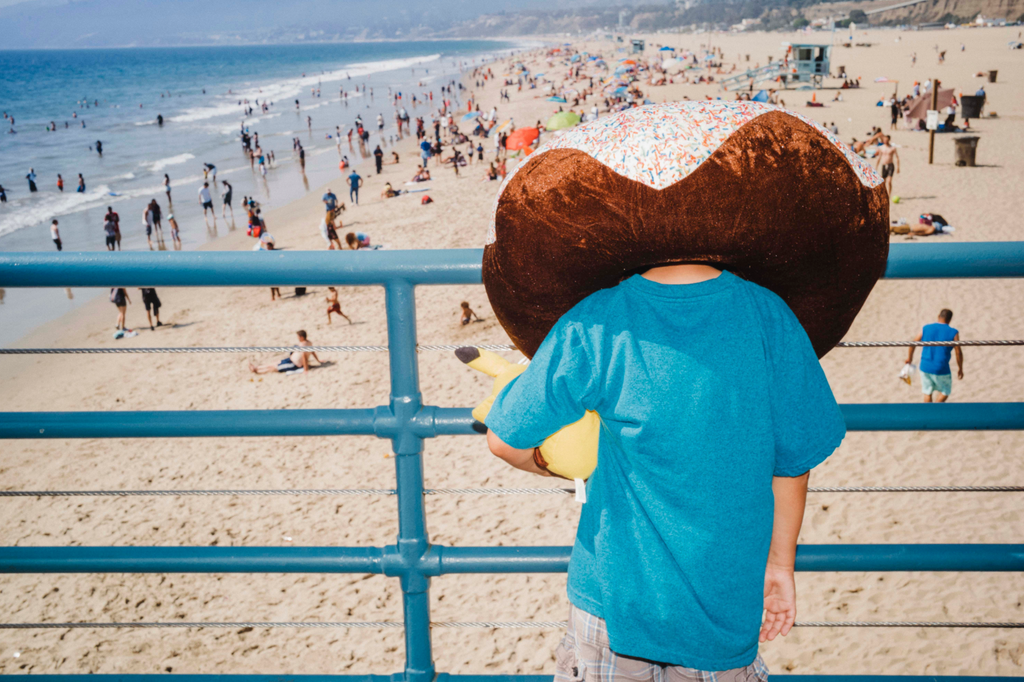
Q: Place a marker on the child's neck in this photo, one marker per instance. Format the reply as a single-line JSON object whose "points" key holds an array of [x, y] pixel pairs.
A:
{"points": [[689, 273]]}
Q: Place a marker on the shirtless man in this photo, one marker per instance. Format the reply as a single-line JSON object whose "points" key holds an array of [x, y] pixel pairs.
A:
{"points": [[298, 360], [889, 161], [333, 306]]}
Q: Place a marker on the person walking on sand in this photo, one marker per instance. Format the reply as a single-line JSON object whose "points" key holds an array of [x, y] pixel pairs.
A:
{"points": [[110, 229], [378, 159], [225, 199], [206, 201], [333, 306], [147, 221], [936, 376], [157, 219], [151, 300], [297, 361], [55, 235], [355, 181], [119, 297], [175, 235], [113, 217], [889, 161]]}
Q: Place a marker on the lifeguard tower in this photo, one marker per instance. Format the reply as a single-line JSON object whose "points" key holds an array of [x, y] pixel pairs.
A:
{"points": [[802, 63], [808, 63]]}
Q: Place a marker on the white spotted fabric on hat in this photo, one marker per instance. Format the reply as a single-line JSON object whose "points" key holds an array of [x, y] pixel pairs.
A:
{"points": [[660, 144]]}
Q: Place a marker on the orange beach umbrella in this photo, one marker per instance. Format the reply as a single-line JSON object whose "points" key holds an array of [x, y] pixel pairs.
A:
{"points": [[522, 137]]}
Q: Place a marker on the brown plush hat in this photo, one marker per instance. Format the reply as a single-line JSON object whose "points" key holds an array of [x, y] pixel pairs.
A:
{"points": [[762, 192]]}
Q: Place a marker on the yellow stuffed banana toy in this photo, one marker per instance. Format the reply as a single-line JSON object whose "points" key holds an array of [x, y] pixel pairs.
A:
{"points": [[570, 452]]}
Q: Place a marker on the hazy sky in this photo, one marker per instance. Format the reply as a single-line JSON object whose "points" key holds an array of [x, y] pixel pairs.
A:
{"points": [[92, 23]]}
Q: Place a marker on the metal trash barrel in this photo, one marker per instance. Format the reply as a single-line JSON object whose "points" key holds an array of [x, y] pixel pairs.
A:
{"points": [[970, 106], [992, 76], [965, 150]]}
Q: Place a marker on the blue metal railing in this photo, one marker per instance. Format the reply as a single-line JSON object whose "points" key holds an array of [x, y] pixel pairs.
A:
{"points": [[406, 422]]}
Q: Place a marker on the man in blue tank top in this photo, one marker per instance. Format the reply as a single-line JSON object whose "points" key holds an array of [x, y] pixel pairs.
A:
{"points": [[936, 376]]}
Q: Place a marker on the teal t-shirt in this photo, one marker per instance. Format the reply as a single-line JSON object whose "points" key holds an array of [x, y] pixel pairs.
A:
{"points": [[706, 391]]}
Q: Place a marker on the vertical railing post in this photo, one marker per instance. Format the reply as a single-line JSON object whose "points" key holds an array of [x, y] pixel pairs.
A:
{"points": [[405, 402]]}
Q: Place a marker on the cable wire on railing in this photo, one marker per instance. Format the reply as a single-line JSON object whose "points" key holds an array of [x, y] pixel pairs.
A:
{"points": [[427, 347], [480, 624], [327, 492]]}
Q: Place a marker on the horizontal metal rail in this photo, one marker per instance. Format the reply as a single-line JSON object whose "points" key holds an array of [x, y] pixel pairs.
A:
{"points": [[436, 421], [240, 268], [355, 268], [356, 492], [429, 422], [443, 560]]}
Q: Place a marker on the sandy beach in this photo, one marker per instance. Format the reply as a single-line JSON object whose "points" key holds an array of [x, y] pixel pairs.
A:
{"points": [[984, 203]]}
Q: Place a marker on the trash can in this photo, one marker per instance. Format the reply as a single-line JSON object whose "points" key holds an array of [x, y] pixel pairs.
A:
{"points": [[965, 150], [970, 106], [992, 76]]}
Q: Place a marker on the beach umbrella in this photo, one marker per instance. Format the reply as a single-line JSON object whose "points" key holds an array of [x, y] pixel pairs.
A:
{"points": [[667, 49], [620, 91], [470, 116], [562, 120], [628, 61], [761, 96], [521, 138], [575, 58], [556, 99]]}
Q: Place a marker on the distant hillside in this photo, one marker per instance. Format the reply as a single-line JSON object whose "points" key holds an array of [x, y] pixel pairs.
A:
{"points": [[773, 14]]}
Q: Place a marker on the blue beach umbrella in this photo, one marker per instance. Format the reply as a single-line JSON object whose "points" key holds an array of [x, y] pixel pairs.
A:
{"points": [[761, 96], [575, 58], [667, 49], [470, 116], [557, 99]]}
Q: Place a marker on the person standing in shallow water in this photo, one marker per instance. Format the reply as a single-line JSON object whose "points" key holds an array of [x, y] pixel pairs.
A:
{"points": [[31, 177]]}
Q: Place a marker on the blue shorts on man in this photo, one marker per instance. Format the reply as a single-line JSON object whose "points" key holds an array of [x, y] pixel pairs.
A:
{"points": [[705, 391]]}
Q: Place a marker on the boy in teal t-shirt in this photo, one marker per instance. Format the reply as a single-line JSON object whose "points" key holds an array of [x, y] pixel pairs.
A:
{"points": [[714, 409]]}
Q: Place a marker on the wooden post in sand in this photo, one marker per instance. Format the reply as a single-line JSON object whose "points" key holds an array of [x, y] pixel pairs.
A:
{"points": [[931, 133]]}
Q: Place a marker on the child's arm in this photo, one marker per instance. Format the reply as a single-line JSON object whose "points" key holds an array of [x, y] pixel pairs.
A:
{"points": [[779, 585], [520, 459]]}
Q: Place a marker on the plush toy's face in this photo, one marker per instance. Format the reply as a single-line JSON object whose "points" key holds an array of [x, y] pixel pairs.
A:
{"points": [[762, 192]]}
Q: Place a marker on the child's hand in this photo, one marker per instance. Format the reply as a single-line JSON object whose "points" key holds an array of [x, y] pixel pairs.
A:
{"points": [[779, 602]]}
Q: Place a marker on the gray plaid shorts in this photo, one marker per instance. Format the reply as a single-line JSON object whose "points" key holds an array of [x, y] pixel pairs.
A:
{"points": [[584, 655]]}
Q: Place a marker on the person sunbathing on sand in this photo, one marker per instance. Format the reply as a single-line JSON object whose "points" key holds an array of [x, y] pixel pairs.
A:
{"points": [[389, 191], [297, 361], [333, 306], [422, 174]]}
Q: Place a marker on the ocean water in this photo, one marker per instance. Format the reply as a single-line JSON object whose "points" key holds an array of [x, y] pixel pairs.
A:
{"points": [[115, 95]]}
